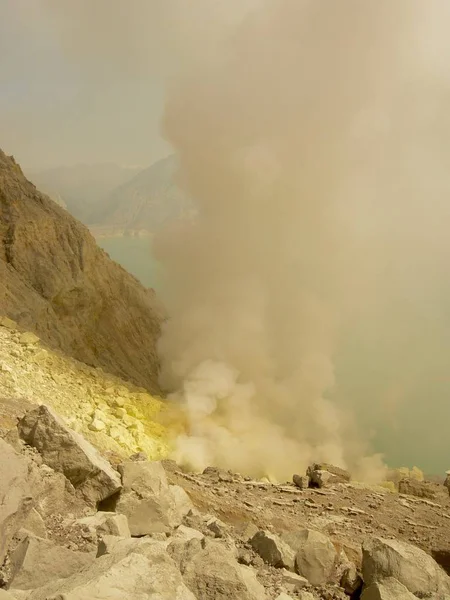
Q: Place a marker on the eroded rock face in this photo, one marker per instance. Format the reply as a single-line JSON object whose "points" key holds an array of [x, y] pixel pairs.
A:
{"points": [[56, 282], [411, 566], [15, 495], [69, 453]]}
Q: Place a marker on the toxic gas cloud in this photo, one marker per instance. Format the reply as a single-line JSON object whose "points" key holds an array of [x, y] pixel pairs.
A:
{"points": [[313, 136]]}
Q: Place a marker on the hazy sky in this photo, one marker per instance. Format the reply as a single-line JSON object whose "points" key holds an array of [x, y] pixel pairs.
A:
{"points": [[79, 82]]}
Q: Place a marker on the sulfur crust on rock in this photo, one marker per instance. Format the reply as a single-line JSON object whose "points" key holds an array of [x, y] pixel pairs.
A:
{"points": [[131, 418]]}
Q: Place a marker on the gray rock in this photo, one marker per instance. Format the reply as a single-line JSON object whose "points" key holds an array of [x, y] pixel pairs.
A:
{"points": [[15, 497], [293, 582], [133, 570], [187, 533], [34, 523], [301, 481], [323, 474], [248, 532], [67, 452], [388, 589], [28, 337], [217, 527], [4, 595], [146, 498], [283, 596], [107, 523], [36, 562], [212, 572], [412, 567], [183, 504], [315, 555], [273, 550]]}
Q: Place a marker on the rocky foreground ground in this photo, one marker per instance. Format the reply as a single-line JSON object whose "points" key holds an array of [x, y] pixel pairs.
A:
{"points": [[85, 515]]}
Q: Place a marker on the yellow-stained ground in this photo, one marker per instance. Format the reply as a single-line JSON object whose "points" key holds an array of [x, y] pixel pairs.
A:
{"points": [[117, 417]]}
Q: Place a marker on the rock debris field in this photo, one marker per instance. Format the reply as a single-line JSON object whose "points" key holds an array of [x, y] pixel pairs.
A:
{"points": [[84, 513]]}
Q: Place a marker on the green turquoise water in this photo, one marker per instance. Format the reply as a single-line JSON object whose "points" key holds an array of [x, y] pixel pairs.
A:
{"points": [[135, 255]]}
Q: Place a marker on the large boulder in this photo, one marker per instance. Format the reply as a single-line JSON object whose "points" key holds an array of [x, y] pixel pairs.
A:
{"points": [[388, 589], [315, 555], [323, 474], [273, 550], [212, 573], [132, 570], [67, 452], [413, 487], [150, 504], [411, 566], [36, 562], [15, 496]]}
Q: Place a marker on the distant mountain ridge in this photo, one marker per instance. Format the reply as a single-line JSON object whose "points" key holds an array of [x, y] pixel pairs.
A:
{"points": [[147, 202], [115, 200], [79, 188]]}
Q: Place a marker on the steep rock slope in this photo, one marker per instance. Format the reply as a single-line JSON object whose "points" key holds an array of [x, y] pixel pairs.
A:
{"points": [[145, 202], [56, 281]]}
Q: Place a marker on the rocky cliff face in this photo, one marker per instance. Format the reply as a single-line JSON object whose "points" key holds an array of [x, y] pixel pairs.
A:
{"points": [[56, 281]]}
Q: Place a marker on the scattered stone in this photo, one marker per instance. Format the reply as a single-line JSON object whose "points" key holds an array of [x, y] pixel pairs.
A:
{"points": [[301, 481], [273, 550], [139, 457], [8, 323], [66, 451], [410, 565], [107, 523], [315, 555], [304, 595], [217, 527], [15, 497], [28, 338], [293, 582], [219, 475], [36, 562], [97, 425]]}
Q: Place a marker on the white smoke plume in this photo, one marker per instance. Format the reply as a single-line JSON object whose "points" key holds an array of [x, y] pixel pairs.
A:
{"points": [[309, 303], [288, 129]]}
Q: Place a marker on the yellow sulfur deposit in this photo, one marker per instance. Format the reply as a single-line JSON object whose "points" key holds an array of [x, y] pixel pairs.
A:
{"points": [[115, 416]]}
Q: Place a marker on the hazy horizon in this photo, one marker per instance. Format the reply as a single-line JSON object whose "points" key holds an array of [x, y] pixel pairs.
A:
{"points": [[60, 105]]}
